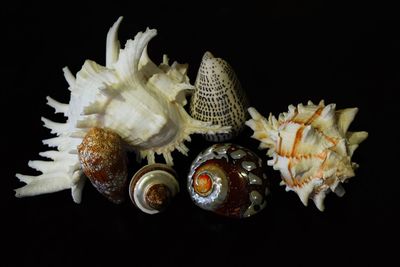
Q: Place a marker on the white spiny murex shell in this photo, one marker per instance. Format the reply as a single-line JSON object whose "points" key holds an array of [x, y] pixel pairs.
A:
{"points": [[219, 97], [311, 147], [141, 102]]}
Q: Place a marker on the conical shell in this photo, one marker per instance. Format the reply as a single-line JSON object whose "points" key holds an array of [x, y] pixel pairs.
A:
{"points": [[219, 97], [311, 147]]}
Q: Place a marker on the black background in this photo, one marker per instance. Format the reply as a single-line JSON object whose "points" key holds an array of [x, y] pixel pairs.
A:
{"points": [[284, 52]]}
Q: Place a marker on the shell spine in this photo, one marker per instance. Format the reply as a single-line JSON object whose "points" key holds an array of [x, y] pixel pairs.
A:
{"points": [[311, 147], [133, 97]]}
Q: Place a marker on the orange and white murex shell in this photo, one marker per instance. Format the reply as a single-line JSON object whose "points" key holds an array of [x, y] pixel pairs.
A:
{"points": [[133, 105], [311, 147]]}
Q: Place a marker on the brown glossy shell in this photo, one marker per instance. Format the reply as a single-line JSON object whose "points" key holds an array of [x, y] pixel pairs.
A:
{"points": [[238, 185], [103, 161]]}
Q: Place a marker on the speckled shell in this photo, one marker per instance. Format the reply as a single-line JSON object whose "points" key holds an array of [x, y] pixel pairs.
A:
{"points": [[141, 102], [152, 188], [103, 160], [228, 179], [219, 97], [311, 147]]}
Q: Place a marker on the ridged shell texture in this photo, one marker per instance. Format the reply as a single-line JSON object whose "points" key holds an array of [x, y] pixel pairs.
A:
{"points": [[311, 147], [131, 96]]}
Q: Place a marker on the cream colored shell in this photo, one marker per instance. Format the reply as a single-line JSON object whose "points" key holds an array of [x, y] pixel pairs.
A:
{"points": [[219, 97], [142, 102], [311, 147]]}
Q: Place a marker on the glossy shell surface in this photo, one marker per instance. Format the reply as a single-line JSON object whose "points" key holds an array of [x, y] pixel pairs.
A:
{"points": [[152, 188], [103, 160], [228, 180]]}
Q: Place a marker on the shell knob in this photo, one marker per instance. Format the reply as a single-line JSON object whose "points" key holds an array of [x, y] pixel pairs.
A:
{"points": [[228, 179], [152, 188]]}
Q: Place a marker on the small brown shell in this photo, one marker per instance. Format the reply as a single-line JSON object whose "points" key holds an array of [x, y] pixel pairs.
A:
{"points": [[103, 161]]}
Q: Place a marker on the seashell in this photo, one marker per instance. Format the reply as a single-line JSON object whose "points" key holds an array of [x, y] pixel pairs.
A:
{"points": [[311, 147], [219, 97], [103, 160], [131, 96], [228, 180], [153, 187]]}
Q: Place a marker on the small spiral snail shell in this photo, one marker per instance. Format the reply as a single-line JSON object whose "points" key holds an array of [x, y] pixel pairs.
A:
{"points": [[153, 187], [228, 180]]}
